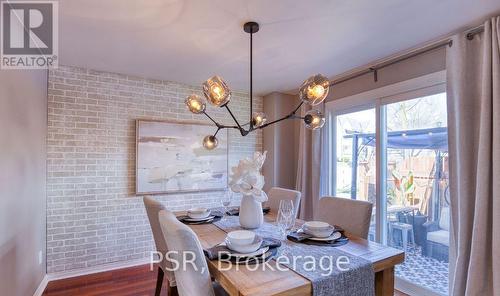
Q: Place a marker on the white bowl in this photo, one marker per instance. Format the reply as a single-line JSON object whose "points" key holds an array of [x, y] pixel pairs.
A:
{"points": [[316, 225], [246, 248], [319, 233], [241, 237], [198, 213], [318, 229]]}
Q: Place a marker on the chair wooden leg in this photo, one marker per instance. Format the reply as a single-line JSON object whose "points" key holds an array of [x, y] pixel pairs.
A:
{"points": [[159, 281], [172, 291]]}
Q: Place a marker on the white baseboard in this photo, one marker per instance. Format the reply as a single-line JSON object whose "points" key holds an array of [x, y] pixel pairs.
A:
{"points": [[42, 286], [96, 269]]}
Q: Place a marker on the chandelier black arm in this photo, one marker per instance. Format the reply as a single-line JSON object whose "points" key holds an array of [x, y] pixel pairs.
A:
{"points": [[232, 115], [223, 127], [298, 107], [251, 82], [217, 131], [215, 122], [218, 125], [291, 115], [243, 132]]}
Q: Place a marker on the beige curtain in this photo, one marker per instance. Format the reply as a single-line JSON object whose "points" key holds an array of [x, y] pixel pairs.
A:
{"points": [[473, 68], [309, 166]]}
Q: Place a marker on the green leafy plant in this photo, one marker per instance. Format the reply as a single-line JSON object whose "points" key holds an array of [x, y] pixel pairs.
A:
{"points": [[406, 187]]}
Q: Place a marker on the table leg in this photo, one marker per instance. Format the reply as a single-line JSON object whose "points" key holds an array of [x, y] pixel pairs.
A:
{"points": [[384, 282]]}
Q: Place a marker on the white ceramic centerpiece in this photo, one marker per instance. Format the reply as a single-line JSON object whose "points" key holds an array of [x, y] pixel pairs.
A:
{"points": [[247, 180]]}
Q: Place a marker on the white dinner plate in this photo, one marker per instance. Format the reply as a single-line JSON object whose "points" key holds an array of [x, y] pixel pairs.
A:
{"points": [[259, 252], [198, 219], [334, 236]]}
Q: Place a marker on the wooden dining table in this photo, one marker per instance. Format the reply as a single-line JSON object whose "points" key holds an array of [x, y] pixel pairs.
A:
{"points": [[241, 280]]}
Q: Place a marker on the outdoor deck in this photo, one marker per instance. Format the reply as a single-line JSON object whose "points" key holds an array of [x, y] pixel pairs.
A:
{"points": [[424, 271]]}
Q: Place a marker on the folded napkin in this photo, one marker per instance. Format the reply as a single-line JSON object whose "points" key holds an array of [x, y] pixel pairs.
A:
{"points": [[233, 212], [221, 251], [298, 236], [236, 211], [304, 238]]}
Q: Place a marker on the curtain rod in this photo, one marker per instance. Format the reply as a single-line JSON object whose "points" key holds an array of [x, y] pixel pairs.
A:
{"points": [[374, 69]]}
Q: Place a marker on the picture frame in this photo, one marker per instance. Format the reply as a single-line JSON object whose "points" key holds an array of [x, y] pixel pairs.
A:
{"points": [[170, 158]]}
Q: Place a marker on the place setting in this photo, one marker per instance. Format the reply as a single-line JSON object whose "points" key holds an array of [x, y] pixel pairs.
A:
{"points": [[319, 233], [311, 232], [200, 216], [244, 247]]}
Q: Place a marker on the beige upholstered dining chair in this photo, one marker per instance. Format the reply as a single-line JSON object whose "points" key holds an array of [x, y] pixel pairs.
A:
{"points": [[276, 194], [153, 208], [352, 215], [183, 244]]}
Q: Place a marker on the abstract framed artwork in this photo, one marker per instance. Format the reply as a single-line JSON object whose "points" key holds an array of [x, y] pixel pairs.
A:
{"points": [[170, 158]]}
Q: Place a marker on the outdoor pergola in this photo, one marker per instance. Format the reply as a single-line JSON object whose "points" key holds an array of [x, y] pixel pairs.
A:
{"points": [[431, 139]]}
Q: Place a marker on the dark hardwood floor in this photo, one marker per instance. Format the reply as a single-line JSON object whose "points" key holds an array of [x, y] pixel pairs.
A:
{"points": [[136, 281]]}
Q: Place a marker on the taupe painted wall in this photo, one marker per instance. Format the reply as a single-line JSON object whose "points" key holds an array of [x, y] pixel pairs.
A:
{"points": [[280, 141], [427, 63], [23, 127], [281, 166]]}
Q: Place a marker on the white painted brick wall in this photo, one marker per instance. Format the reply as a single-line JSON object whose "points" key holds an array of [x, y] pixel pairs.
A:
{"points": [[93, 216]]}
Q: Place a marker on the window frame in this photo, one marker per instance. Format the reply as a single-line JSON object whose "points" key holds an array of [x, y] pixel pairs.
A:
{"points": [[379, 98]]}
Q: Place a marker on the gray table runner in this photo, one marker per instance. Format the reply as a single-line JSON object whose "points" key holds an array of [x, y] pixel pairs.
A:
{"points": [[355, 278]]}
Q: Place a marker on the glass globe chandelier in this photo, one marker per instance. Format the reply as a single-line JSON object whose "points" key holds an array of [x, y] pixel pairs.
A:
{"points": [[313, 92]]}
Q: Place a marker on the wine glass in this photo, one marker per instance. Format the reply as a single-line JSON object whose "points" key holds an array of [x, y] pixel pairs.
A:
{"points": [[285, 216], [226, 200]]}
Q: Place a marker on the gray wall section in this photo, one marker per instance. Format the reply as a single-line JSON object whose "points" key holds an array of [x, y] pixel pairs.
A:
{"points": [[23, 128], [427, 63], [280, 141], [278, 168]]}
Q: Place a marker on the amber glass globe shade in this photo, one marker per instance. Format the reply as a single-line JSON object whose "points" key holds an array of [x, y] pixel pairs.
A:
{"points": [[314, 119], [210, 142], [314, 90], [195, 104], [216, 91], [258, 119]]}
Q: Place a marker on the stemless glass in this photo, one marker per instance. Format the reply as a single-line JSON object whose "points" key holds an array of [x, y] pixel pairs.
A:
{"points": [[226, 200]]}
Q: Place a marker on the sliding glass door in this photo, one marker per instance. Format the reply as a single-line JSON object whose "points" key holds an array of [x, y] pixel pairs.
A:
{"points": [[354, 162], [354, 157], [417, 205], [390, 147]]}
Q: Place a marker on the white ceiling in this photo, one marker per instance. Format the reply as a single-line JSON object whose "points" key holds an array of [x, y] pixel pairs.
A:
{"points": [[189, 41]]}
